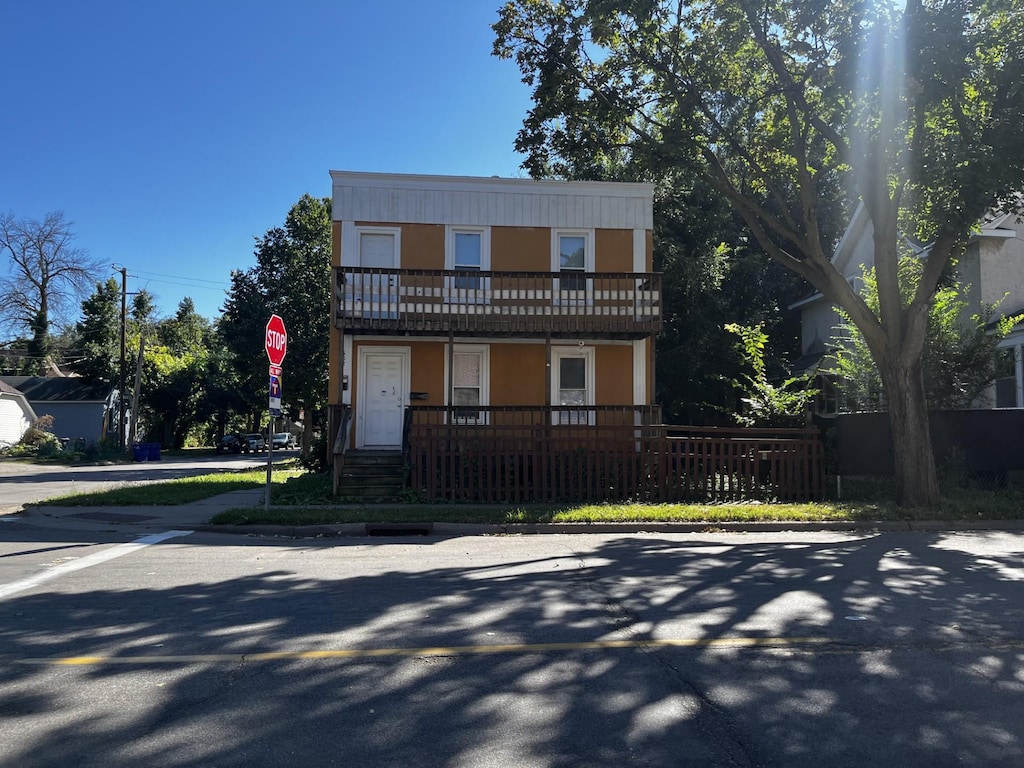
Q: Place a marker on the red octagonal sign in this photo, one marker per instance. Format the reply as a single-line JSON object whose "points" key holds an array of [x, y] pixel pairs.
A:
{"points": [[277, 340]]}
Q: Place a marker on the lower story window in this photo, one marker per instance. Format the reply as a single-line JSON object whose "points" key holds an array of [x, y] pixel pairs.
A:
{"points": [[574, 385], [469, 383]]}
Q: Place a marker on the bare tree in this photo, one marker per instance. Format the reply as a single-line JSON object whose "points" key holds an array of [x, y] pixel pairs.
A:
{"points": [[45, 277]]}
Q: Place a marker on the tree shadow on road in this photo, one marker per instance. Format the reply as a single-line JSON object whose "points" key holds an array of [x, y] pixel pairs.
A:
{"points": [[922, 664]]}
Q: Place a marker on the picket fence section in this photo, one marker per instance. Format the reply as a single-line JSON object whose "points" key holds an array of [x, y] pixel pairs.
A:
{"points": [[578, 462]]}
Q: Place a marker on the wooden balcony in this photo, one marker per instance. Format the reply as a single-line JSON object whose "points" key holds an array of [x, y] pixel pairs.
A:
{"points": [[474, 303]]}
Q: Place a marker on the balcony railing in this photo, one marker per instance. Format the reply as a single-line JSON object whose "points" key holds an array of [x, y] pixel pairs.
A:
{"points": [[624, 304]]}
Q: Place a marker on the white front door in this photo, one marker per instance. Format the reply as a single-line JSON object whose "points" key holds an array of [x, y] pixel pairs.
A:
{"points": [[382, 403]]}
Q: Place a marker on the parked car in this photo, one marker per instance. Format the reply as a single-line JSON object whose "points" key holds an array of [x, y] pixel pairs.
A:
{"points": [[282, 440], [255, 442], [232, 443]]}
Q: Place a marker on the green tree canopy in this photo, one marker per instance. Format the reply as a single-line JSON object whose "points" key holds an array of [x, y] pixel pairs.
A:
{"points": [[99, 333], [292, 278], [785, 106], [960, 357]]}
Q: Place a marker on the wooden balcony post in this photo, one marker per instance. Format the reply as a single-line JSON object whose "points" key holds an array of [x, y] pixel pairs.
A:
{"points": [[547, 370], [451, 375]]}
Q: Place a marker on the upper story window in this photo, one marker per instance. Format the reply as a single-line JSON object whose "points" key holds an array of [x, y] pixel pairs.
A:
{"points": [[572, 256], [468, 249]]}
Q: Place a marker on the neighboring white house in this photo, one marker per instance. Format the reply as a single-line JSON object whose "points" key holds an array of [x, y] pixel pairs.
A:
{"points": [[993, 267], [16, 415]]}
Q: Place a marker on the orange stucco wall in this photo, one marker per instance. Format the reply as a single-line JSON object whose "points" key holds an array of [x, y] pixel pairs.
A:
{"points": [[613, 250], [613, 367], [522, 249], [517, 377], [422, 246], [517, 374], [526, 249]]}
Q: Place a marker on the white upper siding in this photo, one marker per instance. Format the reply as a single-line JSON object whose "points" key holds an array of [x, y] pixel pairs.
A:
{"points": [[471, 201]]}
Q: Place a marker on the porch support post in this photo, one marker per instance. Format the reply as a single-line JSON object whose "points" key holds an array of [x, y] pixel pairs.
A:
{"points": [[451, 375], [341, 365], [336, 420], [547, 369], [652, 357]]}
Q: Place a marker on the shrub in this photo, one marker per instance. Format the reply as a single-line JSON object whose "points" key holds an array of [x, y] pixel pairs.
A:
{"points": [[315, 460]]}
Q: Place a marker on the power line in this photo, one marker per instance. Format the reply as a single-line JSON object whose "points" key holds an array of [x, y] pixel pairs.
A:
{"points": [[188, 282], [181, 277]]}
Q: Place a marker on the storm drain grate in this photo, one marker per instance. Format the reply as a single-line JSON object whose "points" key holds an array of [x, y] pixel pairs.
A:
{"points": [[399, 529]]}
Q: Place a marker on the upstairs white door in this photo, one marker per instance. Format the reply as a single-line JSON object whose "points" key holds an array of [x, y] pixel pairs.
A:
{"points": [[382, 403], [380, 292]]}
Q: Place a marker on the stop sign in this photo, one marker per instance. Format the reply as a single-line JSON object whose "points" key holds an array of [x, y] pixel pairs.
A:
{"points": [[277, 340]]}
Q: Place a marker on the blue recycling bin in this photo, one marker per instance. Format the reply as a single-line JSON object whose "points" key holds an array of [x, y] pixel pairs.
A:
{"points": [[140, 451], [153, 451]]}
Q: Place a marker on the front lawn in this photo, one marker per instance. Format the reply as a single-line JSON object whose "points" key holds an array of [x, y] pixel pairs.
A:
{"points": [[182, 491], [303, 498]]}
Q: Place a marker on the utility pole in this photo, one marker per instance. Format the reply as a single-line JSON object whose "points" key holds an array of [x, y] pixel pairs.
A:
{"points": [[124, 322]]}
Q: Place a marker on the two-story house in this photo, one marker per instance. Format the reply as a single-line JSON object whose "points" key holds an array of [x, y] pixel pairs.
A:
{"points": [[993, 268], [498, 308]]}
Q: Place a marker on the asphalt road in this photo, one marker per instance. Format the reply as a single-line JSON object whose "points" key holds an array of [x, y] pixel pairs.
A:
{"points": [[479, 652], [22, 483]]}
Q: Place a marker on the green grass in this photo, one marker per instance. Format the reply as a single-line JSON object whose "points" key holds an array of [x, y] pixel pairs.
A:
{"points": [[302, 498], [502, 515], [182, 491]]}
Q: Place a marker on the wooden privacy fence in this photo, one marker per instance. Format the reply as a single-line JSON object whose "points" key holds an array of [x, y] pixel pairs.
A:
{"points": [[613, 462]]}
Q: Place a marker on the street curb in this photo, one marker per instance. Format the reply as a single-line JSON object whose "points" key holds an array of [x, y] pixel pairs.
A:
{"points": [[512, 529]]}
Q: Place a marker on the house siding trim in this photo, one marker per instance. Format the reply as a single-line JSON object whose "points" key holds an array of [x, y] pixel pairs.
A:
{"points": [[470, 201]]}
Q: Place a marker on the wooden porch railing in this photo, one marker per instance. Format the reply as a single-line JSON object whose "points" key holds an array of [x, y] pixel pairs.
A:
{"points": [[339, 420], [626, 304], [539, 461], [419, 416]]}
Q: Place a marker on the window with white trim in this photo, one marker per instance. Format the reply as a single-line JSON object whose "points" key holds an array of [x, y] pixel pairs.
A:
{"points": [[571, 256], [469, 383], [573, 384], [467, 250]]}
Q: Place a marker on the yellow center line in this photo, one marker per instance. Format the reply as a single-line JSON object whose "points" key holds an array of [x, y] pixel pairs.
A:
{"points": [[451, 650]]}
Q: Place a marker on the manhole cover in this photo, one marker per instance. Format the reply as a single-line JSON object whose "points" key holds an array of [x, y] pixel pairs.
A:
{"points": [[113, 517]]}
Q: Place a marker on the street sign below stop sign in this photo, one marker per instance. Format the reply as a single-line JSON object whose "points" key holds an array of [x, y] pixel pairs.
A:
{"points": [[277, 340]]}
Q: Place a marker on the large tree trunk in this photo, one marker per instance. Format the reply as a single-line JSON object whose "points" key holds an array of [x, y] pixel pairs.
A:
{"points": [[911, 437]]}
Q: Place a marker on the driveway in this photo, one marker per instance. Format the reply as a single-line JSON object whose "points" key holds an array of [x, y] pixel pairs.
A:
{"points": [[22, 483]]}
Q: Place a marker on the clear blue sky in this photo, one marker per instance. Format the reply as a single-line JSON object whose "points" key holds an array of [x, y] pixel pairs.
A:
{"points": [[173, 133]]}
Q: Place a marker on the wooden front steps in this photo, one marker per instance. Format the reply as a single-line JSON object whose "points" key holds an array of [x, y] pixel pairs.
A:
{"points": [[372, 475]]}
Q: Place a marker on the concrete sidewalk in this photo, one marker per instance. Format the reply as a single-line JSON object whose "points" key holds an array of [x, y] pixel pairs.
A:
{"points": [[193, 516], [196, 516]]}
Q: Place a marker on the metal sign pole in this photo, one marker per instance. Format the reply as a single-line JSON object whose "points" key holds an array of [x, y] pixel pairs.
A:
{"points": [[270, 450]]}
